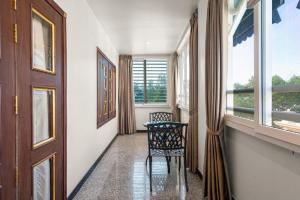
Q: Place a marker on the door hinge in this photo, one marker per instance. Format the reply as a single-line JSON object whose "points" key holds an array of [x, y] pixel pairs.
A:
{"points": [[15, 33], [17, 176], [14, 4], [16, 106]]}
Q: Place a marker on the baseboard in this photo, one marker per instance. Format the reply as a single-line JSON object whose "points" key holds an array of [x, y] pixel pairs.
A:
{"points": [[199, 174], [141, 131], [89, 172]]}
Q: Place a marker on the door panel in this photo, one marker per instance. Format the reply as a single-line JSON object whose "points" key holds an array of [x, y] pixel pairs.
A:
{"points": [[40, 87], [7, 93]]}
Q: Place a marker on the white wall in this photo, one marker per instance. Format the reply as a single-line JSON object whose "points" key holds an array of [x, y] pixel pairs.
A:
{"points": [[142, 115], [184, 115], [85, 142], [260, 170]]}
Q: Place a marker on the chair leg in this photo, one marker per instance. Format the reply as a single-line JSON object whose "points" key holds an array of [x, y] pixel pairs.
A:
{"points": [[150, 169], [185, 174], [179, 163], [168, 163], [146, 160]]}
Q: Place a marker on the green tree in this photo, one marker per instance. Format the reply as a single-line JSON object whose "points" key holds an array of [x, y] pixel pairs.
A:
{"points": [[278, 81], [294, 80], [280, 101]]}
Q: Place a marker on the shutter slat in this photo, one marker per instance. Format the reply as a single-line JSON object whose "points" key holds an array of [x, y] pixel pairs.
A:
{"points": [[155, 81]]}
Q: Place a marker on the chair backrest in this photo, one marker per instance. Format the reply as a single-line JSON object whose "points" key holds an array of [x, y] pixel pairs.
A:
{"points": [[167, 135], [161, 117]]}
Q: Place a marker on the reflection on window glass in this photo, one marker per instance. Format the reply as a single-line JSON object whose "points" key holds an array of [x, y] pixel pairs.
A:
{"points": [[42, 114], [42, 42], [240, 99], [285, 65], [42, 180]]}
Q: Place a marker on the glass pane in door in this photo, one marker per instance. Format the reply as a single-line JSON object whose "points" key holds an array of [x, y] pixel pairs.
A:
{"points": [[43, 112], [42, 43], [43, 179]]}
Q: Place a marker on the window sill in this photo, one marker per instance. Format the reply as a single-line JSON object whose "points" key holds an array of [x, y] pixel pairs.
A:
{"points": [[152, 106], [282, 138]]}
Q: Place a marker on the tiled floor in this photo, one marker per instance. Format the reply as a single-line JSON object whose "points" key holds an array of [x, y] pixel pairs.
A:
{"points": [[122, 175]]}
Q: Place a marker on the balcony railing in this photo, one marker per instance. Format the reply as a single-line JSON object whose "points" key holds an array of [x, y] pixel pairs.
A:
{"points": [[280, 115]]}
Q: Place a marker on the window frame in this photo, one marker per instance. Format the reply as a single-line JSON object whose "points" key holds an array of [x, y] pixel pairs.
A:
{"points": [[183, 46], [239, 13], [161, 104], [256, 127]]}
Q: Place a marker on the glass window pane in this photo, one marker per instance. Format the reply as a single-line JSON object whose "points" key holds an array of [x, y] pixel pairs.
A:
{"points": [[43, 115], [184, 73], [284, 66], [43, 180], [240, 90], [156, 80], [150, 80], [42, 43]]}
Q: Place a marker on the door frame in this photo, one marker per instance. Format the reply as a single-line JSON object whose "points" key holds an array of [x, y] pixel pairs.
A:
{"points": [[64, 82]]}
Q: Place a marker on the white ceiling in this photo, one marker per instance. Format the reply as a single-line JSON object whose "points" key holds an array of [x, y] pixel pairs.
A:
{"points": [[144, 26]]}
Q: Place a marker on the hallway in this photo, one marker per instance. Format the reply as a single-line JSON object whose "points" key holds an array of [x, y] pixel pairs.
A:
{"points": [[121, 174]]}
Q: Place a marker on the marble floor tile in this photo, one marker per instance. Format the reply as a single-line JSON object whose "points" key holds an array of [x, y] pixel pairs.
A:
{"points": [[122, 175]]}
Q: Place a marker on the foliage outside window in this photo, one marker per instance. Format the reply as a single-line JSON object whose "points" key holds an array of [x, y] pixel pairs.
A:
{"points": [[150, 78]]}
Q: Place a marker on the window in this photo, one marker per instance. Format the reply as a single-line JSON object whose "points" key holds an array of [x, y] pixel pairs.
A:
{"points": [[281, 68], [184, 73], [263, 82], [150, 78], [240, 91]]}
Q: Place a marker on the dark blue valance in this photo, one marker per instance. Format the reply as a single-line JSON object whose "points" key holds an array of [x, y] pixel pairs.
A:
{"points": [[246, 26], [298, 6]]}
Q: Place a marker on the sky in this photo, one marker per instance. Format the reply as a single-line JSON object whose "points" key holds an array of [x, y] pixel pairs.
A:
{"points": [[285, 48]]}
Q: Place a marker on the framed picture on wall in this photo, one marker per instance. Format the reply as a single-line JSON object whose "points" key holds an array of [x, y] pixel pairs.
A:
{"points": [[106, 89]]}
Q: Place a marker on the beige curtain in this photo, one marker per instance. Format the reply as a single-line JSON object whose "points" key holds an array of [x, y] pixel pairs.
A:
{"points": [[126, 120], [192, 144], [174, 80], [216, 185]]}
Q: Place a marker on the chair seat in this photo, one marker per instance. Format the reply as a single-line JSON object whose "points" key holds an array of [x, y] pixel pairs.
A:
{"points": [[163, 153]]}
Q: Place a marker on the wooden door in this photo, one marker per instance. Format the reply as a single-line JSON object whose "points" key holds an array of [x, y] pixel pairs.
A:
{"points": [[7, 94], [41, 90]]}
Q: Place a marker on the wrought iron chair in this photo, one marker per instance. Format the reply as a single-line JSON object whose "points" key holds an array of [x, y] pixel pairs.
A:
{"points": [[160, 117], [167, 139]]}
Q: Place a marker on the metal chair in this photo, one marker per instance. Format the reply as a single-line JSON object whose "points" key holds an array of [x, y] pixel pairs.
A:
{"points": [[167, 139], [160, 117]]}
